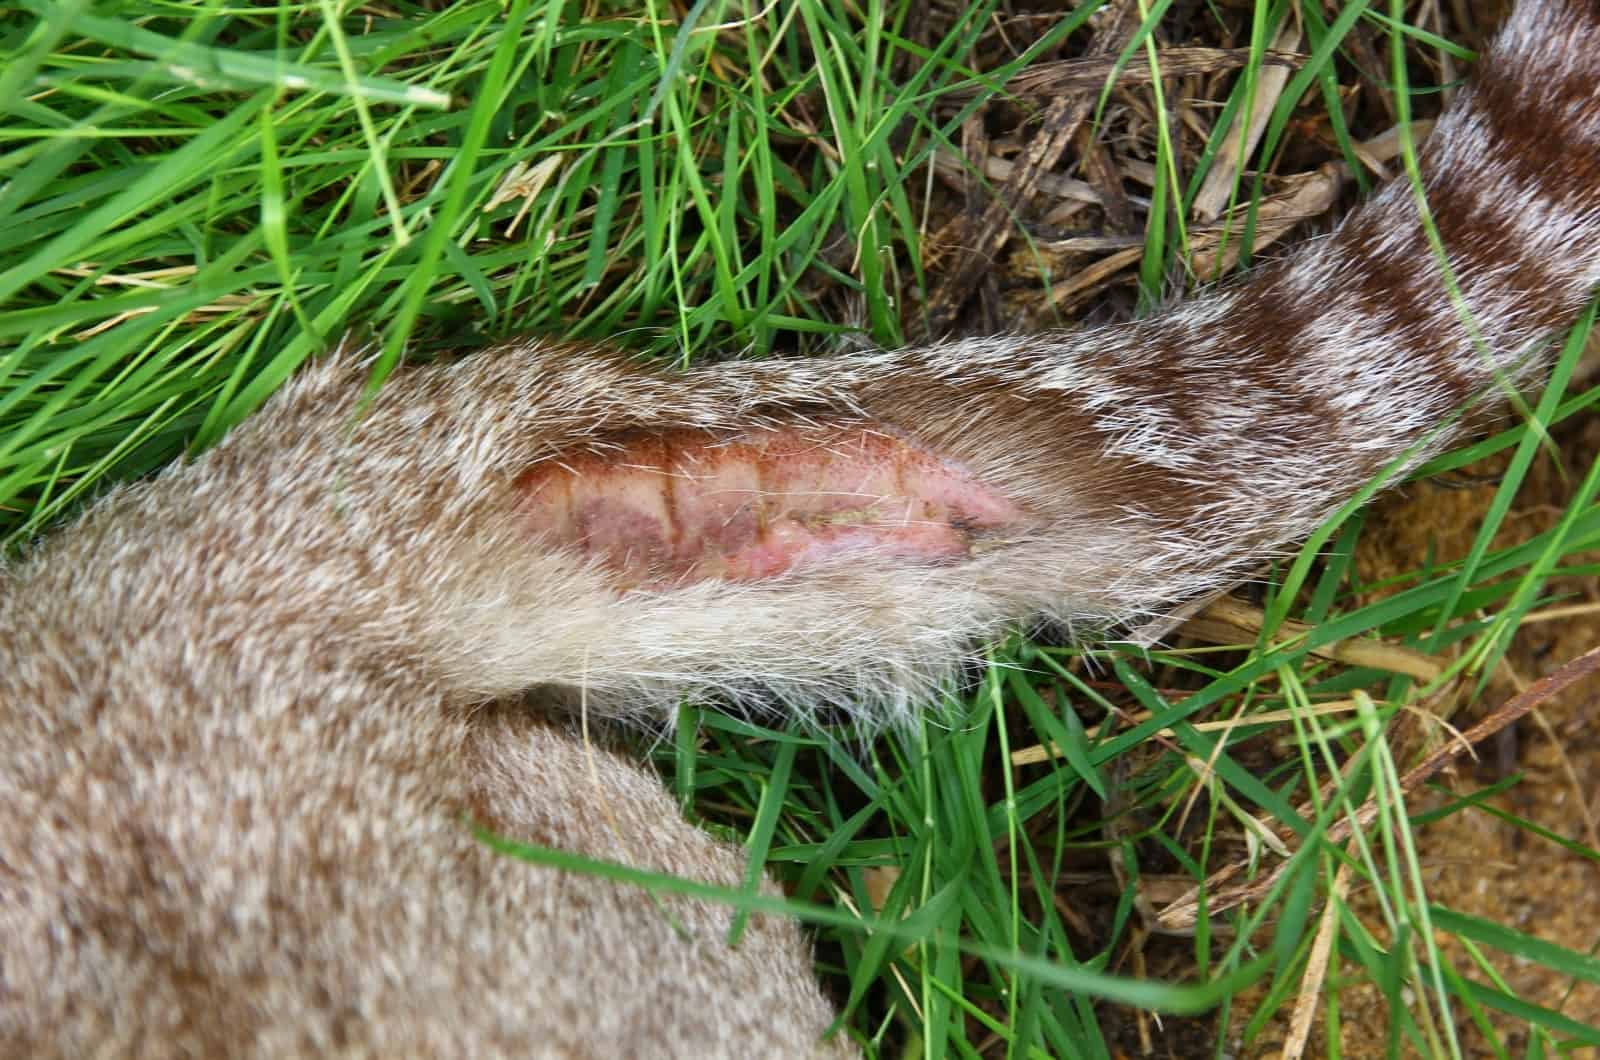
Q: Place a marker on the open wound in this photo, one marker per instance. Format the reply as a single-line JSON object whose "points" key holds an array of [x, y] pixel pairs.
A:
{"points": [[684, 506]]}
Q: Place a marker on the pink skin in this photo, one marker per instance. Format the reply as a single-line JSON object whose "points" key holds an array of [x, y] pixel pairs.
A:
{"points": [[686, 506]]}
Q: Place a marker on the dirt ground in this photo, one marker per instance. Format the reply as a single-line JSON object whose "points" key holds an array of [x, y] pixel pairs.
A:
{"points": [[1474, 862]]}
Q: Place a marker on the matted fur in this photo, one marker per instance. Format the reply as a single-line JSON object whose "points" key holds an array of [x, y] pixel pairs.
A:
{"points": [[248, 709]]}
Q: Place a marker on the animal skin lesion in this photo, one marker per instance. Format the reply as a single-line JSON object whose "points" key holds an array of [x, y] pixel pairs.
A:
{"points": [[684, 506]]}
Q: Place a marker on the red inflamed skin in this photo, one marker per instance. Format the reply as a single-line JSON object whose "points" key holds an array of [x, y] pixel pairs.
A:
{"points": [[687, 506]]}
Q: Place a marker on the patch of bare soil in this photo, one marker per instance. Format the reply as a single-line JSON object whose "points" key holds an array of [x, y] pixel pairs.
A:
{"points": [[1475, 862]]}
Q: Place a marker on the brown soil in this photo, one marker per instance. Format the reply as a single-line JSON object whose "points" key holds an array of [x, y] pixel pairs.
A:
{"points": [[1474, 862]]}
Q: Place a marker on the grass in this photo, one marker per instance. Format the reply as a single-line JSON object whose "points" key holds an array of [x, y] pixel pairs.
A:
{"points": [[198, 197]]}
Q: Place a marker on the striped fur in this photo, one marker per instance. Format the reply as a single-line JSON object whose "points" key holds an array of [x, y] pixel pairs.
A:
{"points": [[245, 708]]}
